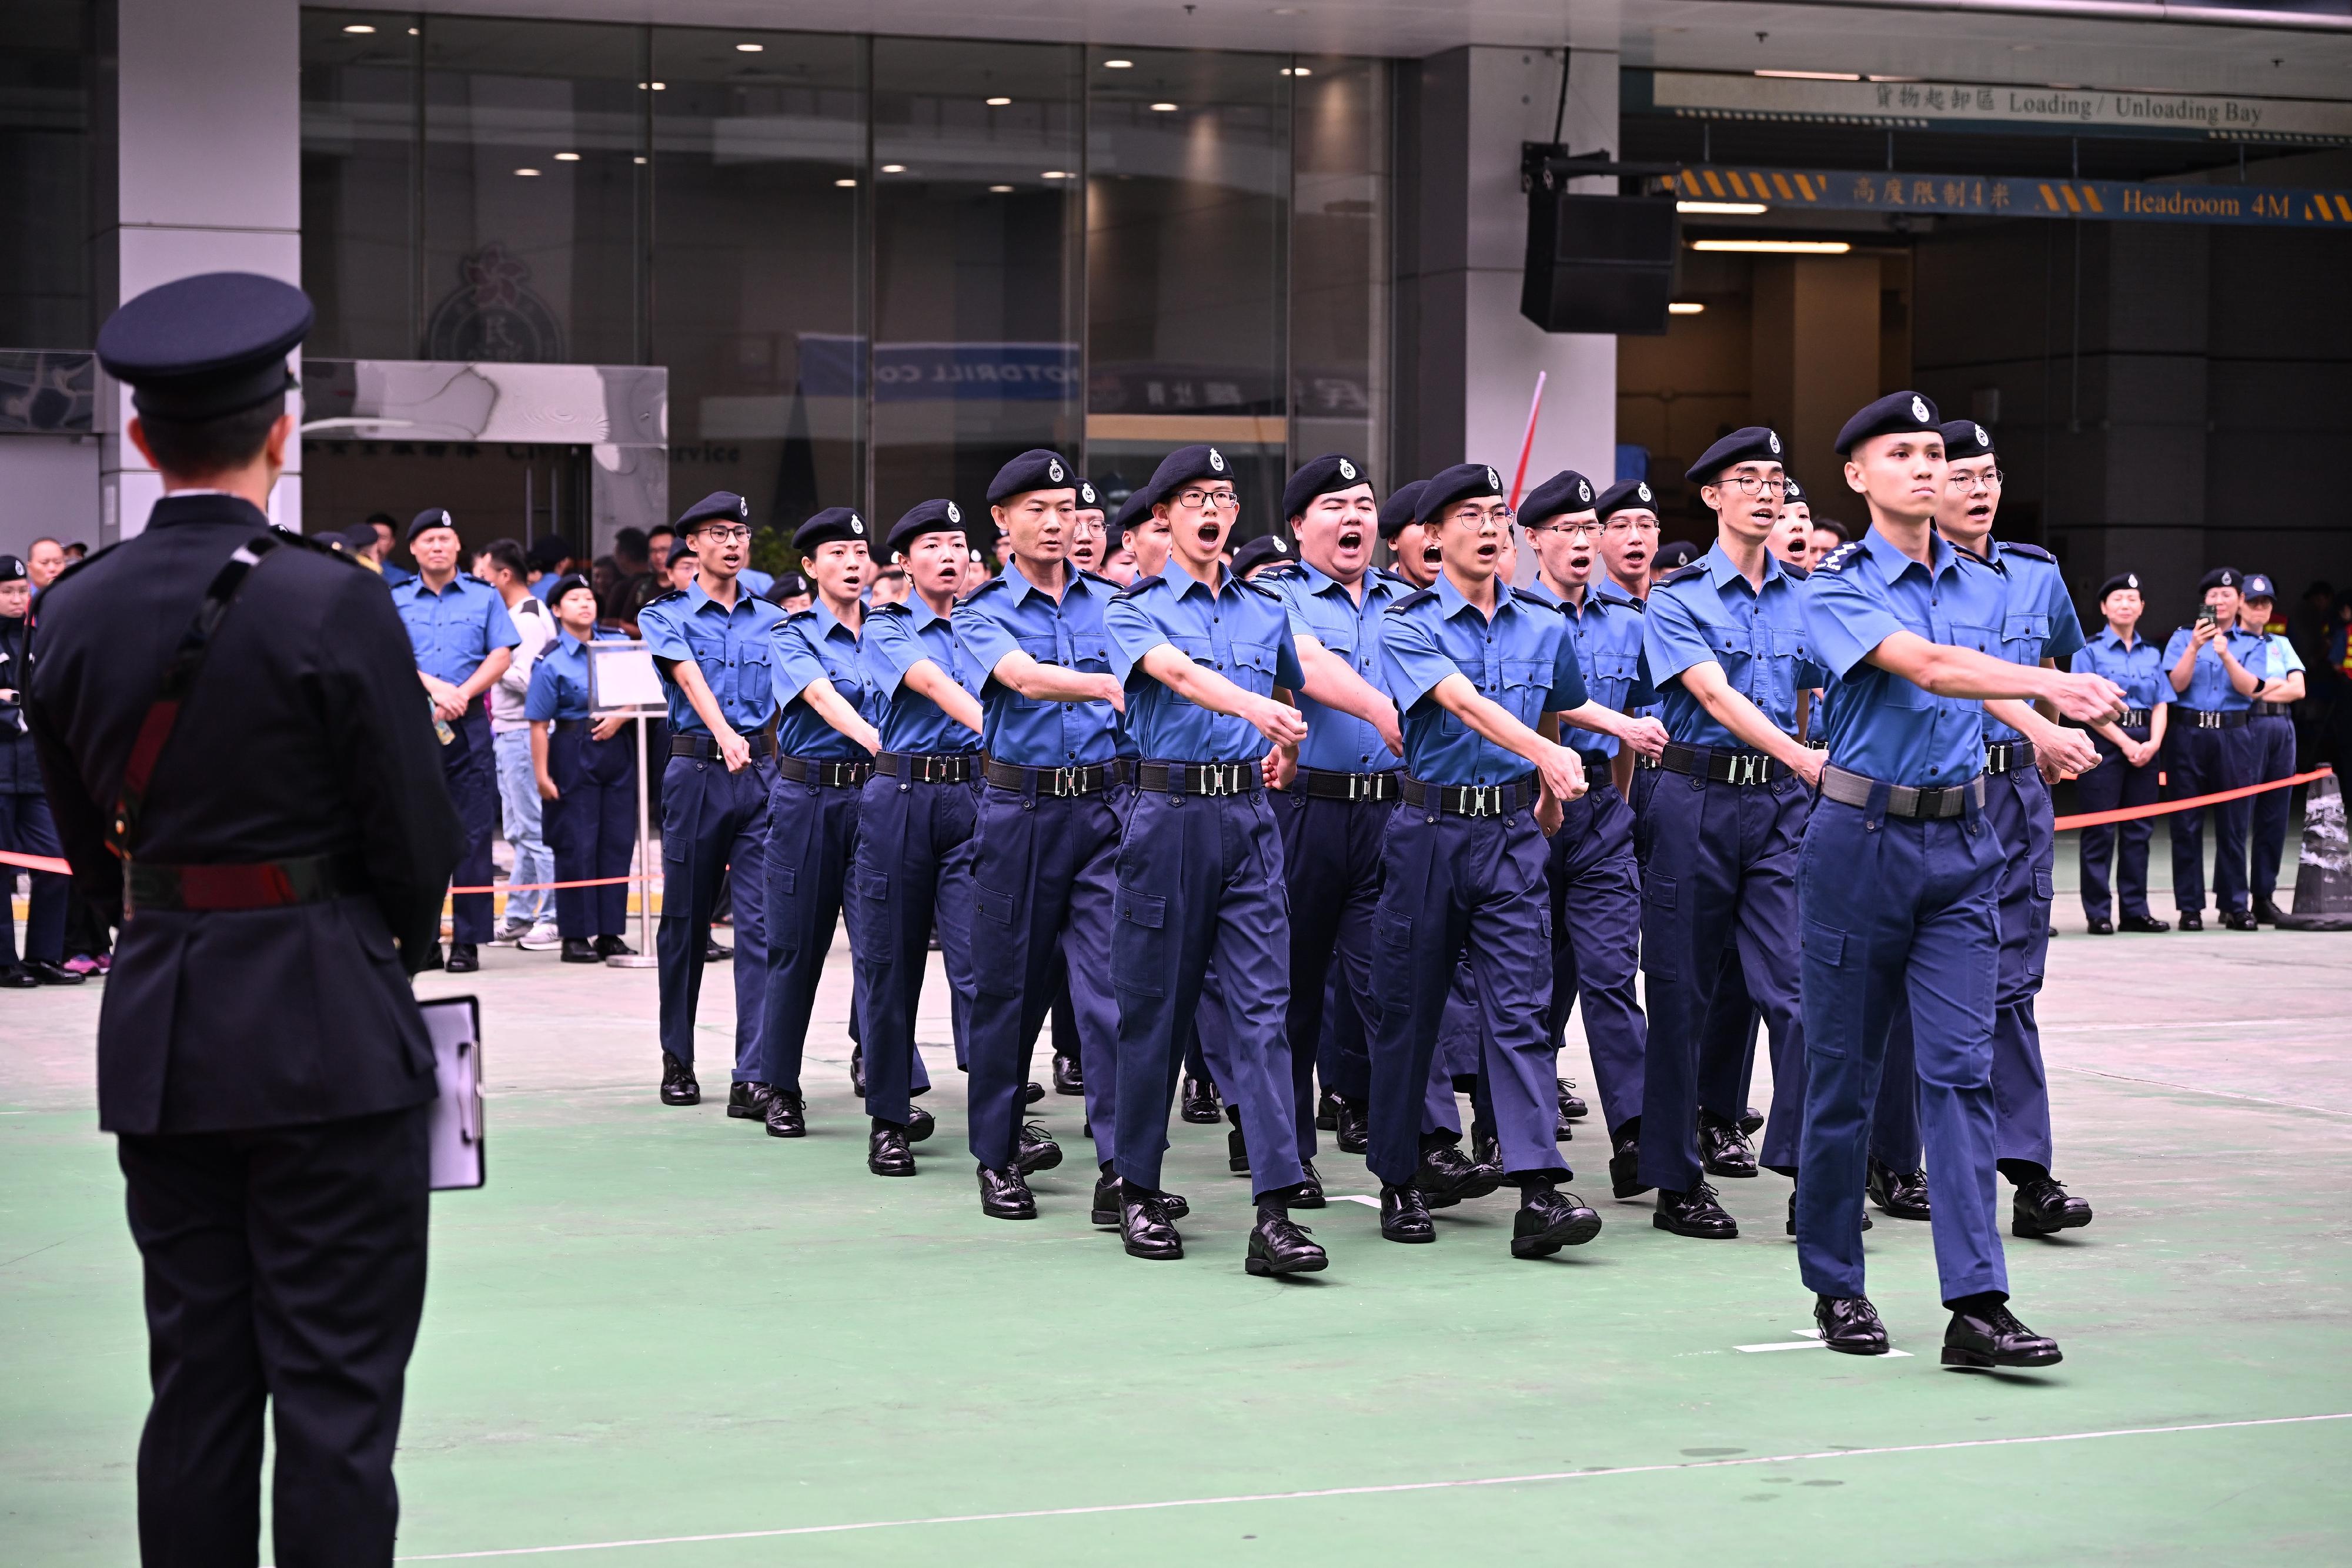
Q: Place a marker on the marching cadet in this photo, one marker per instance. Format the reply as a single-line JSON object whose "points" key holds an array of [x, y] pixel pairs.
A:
{"points": [[1200, 874], [1337, 792], [586, 770], [1897, 885], [2128, 769], [279, 872], [2037, 627], [1048, 835], [912, 864], [2270, 741], [2213, 690], [464, 639], [1412, 547], [1724, 641], [711, 642], [826, 741], [1119, 551], [1629, 538], [1474, 665], [1591, 879], [1792, 536]]}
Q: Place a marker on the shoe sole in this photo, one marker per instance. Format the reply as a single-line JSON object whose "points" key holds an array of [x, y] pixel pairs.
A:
{"points": [[877, 1170], [1102, 1217], [1355, 1146], [796, 1133], [1879, 1349], [1412, 1238], [1201, 1119], [1958, 1355], [920, 1131], [1313, 1201], [1901, 1210], [1475, 1188], [997, 1214], [1265, 1270], [1176, 1256], [745, 1114], [1661, 1222], [1736, 1172], [2034, 1230], [1044, 1162], [1574, 1231], [669, 1099]]}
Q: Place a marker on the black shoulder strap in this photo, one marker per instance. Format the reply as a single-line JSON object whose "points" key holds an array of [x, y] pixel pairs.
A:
{"points": [[179, 679]]}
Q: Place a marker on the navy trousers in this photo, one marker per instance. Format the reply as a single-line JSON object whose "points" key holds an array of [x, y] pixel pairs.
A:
{"points": [[812, 829], [2270, 753], [1042, 890], [1331, 859], [2201, 762], [592, 828], [1726, 1045], [469, 767], [1594, 890], [912, 867], [1720, 872], [1898, 915], [713, 820], [26, 828], [2017, 808], [1453, 883], [2113, 784]]}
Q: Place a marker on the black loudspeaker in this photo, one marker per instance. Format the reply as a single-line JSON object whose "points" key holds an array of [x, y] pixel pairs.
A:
{"points": [[1598, 264]]}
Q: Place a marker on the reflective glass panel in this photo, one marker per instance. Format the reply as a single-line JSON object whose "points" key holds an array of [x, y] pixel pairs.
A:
{"points": [[359, 182]]}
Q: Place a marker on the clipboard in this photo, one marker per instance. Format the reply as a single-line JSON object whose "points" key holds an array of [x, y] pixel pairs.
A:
{"points": [[455, 1026]]}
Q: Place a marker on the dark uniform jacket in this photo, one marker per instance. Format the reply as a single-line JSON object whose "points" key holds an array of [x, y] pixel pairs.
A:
{"points": [[306, 733], [19, 775]]}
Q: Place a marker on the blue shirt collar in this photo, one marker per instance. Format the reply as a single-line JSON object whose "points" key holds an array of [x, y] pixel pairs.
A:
{"points": [[2107, 635], [827, 623], [1022, 588], [1609, 587], [1451, 603], [920, 612], [696, 598], [1942, 556], [457, 585], [1183, 583], [1721, 569]]}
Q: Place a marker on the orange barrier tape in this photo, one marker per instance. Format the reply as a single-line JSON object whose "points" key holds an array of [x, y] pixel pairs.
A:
{"points": [[51, 863], [2127, 814], [36, 862]]}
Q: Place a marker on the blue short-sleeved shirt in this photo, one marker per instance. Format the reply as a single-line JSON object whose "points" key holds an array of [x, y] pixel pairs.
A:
{"points": [[559, 681], [733, 648], [2138, 668], [2209, 678], [2037, 620], [1880, 725], [1524, 659], [2285, 660], [1237, 630], [1010, 614], [757, 581], [454, 631], [1709, 612], [1608, 632], [1609, 591], [813, 645], [1349, 624], [545, 585], [897, 638]]}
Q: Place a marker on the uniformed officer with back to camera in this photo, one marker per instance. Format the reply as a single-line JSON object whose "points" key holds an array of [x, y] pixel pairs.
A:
{"points": [[243, 770], [712, 642], [1897, 886], [26, 825], [1592, 881], [585, 769], [1474, 667], [2270, 741], [2024, 752], [2215, 667], [1724, 809], [1199, 867], [464, 639], [912, 865], [2130, 753], [825, 742], [1048, 831]]}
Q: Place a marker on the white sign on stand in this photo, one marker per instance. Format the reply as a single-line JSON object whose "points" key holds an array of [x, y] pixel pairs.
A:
{"points": [[623, 682]]}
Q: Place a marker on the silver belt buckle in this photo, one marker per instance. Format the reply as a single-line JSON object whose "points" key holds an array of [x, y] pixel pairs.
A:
{"points": [[1745, 771], [1480, 800], [1065, 781]]}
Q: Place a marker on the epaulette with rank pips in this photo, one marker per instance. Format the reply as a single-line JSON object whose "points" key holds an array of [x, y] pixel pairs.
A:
{"points": [[1419, 596], [1790, 568], [1680, 572], [2030, 552], [665, 598], [1262, 588], [1835, 560], [1138, 586]]}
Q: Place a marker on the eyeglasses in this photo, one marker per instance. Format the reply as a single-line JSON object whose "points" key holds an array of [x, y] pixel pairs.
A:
{"points": [[1565, 530], [725, 536], [1989, 479], [1630, 526], [1752, 484], [1201, 500], [1499, 516]]}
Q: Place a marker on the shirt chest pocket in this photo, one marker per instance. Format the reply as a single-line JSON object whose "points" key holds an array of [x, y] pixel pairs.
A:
{"points": [[1614, 668], [754, 667], [1043, 648], [1524, 684], [1254, 666], [1091, 651], [2023, 628]]}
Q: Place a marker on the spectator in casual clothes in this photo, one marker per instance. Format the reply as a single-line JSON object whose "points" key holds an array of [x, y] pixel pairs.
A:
{"points": [[530, 915]]}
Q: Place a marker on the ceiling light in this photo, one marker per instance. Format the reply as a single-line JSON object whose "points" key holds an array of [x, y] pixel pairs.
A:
{"points": [[998, 102], [1163, 109], [1119, 65], [1814, 75], [1296, 71], [1685, 308], [1722, 209], [1774, 247], [528, 174], [656, 86], [362, 27], [750, 48], [414, 31], [567, 157], [1054, 174], [845, 184], [1001, 190], [638, 158], [894, 168]]}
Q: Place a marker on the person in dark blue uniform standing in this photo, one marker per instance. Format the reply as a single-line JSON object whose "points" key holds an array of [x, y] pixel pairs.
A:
{"points": [[2270, 742], [464, 639], [1048, 831], [1897, 886], [713, 645], [26, 825], [826, 741], [2126, 773], [1474, 667], [587, 773], [912, 865], [2215, 669], [270, 823]]}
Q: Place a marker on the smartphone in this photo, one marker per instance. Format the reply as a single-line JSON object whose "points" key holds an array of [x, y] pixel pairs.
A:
{"points": [[2208, 616]]}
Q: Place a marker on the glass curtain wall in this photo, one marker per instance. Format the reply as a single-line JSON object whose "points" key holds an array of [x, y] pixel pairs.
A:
{"points": [[359, 182], [46, 98], [1340, 236]]}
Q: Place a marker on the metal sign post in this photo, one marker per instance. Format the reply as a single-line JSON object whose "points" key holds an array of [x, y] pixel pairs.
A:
{"points": [[622, 681]]}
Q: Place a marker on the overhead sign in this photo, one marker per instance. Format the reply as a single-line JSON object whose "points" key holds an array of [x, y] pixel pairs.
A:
{"points": [[2017, 196], [834, 365], [1946, 104]]}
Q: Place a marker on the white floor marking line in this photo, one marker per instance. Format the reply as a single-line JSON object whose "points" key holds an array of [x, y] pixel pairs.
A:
{"points": [[1807, 1339], [1378, 1490], [1356, 1197], [2217, 1094]]}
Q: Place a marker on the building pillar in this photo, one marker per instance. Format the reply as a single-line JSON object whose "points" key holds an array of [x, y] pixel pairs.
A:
{"points": [[1813, 362], [204, 107]]}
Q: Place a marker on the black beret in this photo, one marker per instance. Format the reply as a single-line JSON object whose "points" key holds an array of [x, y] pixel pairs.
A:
{"points": [[927, 517], [546, 552], [1035, 469], [833, 523], [359, 535], [1325, 475], [1897, 413], [1965, 438], [1258, 551], [1403, 502], [1089, 496], [2121, 579], [1675, 557], [1752, 443], [718, 506], [2219, 577], [1463, 482], [1183, 466], [200, 347], [679, 552], [565, 584], [1795, 492], [1565, 492], [430, 517], [12, 568], [1627, 496], [2258, 587], [791, 585]]}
